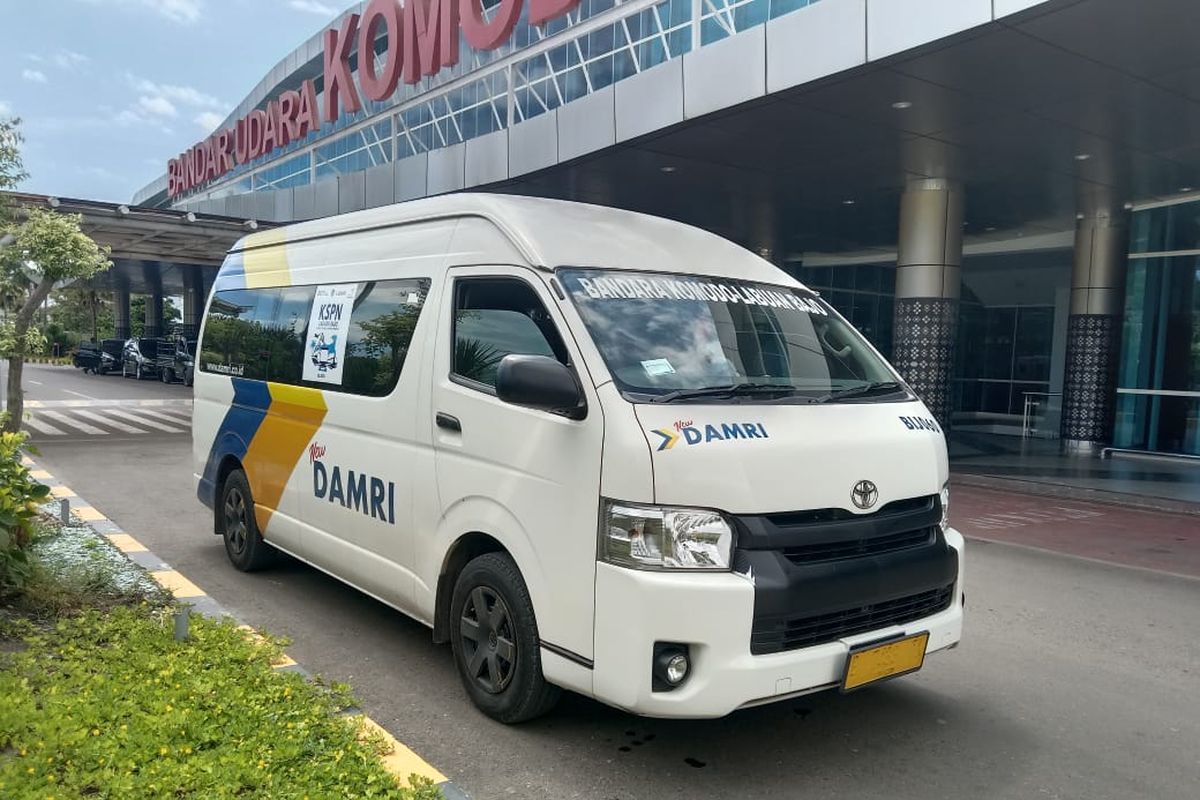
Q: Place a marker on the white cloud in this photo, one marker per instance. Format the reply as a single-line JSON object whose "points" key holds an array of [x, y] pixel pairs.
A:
{"points": [[185, 95], [182, 11], [313, 7], [5, 109], [159, 106], [208, 120], [33, 75], [35, 58], [69, 59]]}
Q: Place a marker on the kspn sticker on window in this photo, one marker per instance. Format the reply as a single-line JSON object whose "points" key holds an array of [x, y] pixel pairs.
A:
{"points": [[328, 326]]}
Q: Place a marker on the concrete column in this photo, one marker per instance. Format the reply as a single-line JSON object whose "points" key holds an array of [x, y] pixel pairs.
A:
{"points": [[928, 284], [193, 302], [154, 314], [1094, 330], [121, 312]]}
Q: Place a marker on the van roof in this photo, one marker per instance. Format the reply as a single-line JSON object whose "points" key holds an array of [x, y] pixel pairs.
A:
{"points": [[555, 233]]}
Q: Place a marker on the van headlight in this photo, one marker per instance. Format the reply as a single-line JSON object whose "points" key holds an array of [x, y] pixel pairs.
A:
{"points": [[944, 496], [664, 537]]}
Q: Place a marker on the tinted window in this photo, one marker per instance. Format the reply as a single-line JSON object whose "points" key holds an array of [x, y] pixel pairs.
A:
{"points": [[257, 333], [261, 334], [496, 317], [381, 328]]}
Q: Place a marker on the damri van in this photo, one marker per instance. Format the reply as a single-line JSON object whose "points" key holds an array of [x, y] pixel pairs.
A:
{"points": [[592, 450]]}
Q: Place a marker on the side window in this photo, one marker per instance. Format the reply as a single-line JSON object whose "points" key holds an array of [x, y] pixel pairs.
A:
{"points": [[381, 328], [496, 317], [257, 333]]}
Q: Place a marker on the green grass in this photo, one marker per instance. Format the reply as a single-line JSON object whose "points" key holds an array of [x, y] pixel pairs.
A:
{"points": [[108, 704]]}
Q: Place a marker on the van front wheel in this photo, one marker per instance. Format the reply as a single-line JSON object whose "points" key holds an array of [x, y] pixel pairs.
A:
{"points": [[243, 543], [496, 644]]}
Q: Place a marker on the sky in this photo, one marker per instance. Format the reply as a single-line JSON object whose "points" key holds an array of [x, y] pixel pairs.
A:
{"points": [[109, 90]]}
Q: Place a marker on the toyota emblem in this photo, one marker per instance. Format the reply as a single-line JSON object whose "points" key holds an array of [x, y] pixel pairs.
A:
{"points": [[864, 494]]}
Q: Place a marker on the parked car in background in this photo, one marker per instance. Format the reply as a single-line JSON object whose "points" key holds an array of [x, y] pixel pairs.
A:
{"points": [[99, 358], [140, 358], [176, 359]]}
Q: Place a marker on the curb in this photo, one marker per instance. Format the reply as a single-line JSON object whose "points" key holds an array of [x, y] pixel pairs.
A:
{"points": [[399, 759]]}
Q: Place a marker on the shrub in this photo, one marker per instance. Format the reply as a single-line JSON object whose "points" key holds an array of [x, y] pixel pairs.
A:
{"points": [[20, 496]]}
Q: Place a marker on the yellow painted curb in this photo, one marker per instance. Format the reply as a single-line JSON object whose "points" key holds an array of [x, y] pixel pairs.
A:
{"points": [[175, 583], [40, 475], [88, 514], [126, 543], [60, 492], [398, 759]]}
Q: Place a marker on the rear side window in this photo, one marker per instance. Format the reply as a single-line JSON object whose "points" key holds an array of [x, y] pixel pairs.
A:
{"points": [[257, 333], [267, 334]]}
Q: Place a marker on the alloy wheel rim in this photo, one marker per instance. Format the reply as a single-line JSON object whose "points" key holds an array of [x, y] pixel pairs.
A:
{"points": [[489, 643], [235, 521]]}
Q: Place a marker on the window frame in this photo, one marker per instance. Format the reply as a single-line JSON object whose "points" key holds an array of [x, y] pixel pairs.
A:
{"points": [[478, 386]]}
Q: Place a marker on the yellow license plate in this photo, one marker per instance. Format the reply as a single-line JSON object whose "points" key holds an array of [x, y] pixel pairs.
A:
{"points": [[882, 661]]}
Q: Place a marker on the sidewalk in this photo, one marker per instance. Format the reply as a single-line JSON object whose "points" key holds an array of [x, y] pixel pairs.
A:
{"points": [[1116, 534]]}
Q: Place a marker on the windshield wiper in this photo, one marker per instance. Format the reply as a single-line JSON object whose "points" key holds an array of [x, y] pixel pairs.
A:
{"points": [[723, 391], [865, 389]]}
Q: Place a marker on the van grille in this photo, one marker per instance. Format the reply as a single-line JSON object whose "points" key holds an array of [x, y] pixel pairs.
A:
{"points": [[781, 635], [829, 551]]}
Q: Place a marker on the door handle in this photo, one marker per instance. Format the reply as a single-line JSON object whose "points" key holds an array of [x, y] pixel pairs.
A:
{"points": [[448, 422]]}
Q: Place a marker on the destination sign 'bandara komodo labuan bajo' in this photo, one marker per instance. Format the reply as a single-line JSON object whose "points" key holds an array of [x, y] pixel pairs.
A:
{"points": [[422, 39]]}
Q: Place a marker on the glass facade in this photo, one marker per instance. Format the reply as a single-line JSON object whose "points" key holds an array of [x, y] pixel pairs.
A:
{"points": [[864, 294], [424, 116], [1158, 386]]}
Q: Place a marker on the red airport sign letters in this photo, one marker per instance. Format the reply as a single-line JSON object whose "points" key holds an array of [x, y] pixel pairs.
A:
{"points": [[422, 39]]}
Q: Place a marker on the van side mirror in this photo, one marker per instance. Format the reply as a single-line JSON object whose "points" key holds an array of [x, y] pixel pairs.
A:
{"points": [[540, 382]]}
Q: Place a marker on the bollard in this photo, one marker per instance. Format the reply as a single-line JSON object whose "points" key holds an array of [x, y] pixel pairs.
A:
{"points": [[64, 511], [181, 622]]}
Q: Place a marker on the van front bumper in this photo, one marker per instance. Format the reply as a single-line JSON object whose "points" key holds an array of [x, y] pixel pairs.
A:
{"points": [[712, 613]]}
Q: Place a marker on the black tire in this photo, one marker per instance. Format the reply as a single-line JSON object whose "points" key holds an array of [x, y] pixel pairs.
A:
{"points": [[510, 689], [189, 377], [244, 545], [167, 375]]}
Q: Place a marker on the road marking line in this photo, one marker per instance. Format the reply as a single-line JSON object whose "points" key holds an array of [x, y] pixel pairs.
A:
{"points": [[112, 423], [36, 383], [167, 417], [88, 514], [146, 422], [175, 583], [184, 414], [126, 543], [71, 422], [81, 394], [59, 492], [43, 427], [399, 760]]}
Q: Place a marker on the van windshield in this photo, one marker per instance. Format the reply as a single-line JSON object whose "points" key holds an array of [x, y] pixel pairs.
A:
{"points": [[668, 338]]}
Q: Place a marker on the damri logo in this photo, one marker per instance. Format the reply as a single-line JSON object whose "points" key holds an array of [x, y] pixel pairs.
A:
{"points": [[689, 433], [374, 497]]}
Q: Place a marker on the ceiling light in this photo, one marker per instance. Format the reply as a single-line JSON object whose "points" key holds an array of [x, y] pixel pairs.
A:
{"points": [[848, 202], [900, 105], [1082, 156], [1186, 189], [666, 169], [989, 228]]}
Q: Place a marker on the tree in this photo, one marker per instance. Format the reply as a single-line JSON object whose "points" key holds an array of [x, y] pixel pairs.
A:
{"points": [[12, 170], [84, 311], [137, 315], [48, 249]]}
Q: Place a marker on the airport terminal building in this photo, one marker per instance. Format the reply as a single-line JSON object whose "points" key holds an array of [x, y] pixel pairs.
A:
{"points": [[1004, 195]]}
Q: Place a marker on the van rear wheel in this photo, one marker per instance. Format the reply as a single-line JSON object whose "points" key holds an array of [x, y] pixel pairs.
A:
{"points": [[244, 545], [495, 641]]}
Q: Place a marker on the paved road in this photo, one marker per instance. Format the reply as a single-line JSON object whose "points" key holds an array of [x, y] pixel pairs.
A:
{"points": [[1076, 679]]}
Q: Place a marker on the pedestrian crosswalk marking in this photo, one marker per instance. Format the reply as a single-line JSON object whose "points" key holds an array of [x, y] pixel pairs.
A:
{"points": [[140, 420], [164, 415], [112, 423], [42, 427], [70, 422]]}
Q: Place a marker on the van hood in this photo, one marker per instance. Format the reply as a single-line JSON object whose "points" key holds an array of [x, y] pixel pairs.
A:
{"points": [[759, 459]]}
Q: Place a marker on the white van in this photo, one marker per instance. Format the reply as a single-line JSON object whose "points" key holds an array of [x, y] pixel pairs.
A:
{"points": [[593, 450]]}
